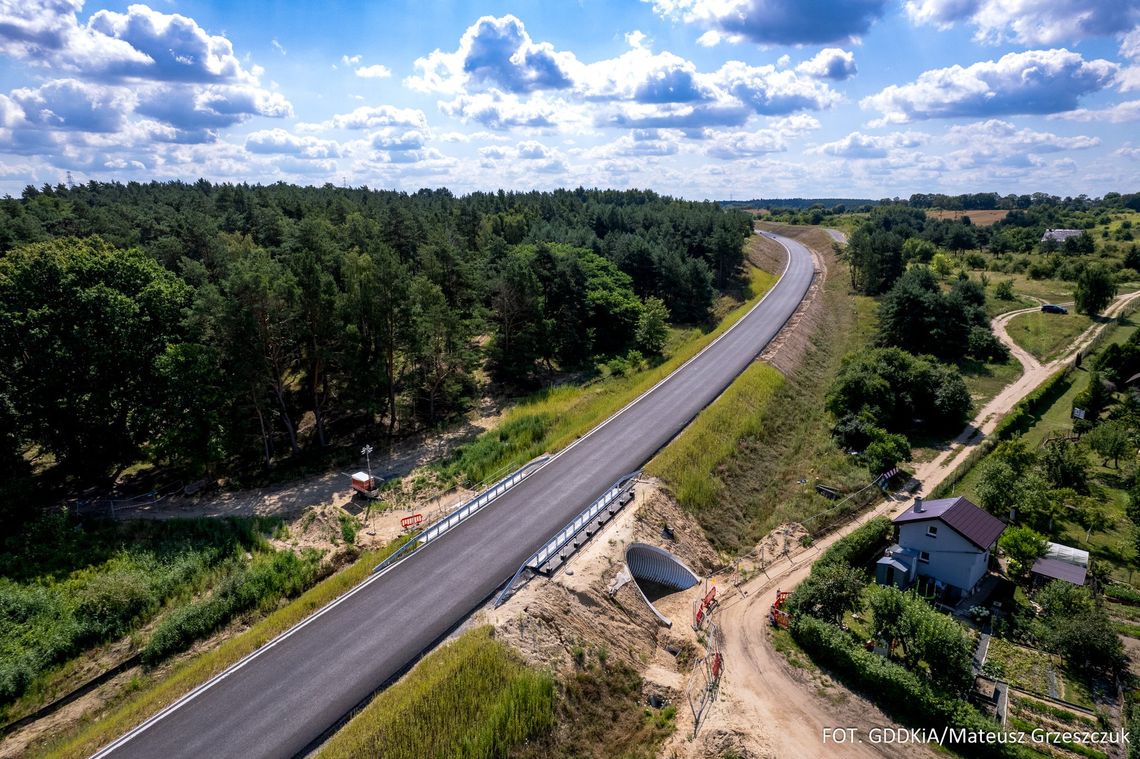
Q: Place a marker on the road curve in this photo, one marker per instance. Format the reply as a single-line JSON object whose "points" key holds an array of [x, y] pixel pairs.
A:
{"points": [[836, 235], [277, 702]]}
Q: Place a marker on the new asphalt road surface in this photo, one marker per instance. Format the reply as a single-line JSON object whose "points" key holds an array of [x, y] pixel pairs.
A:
{"points": [[278, 701]]}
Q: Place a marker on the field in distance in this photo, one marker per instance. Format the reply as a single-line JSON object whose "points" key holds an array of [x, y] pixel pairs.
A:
{"points": [[977, 218]]}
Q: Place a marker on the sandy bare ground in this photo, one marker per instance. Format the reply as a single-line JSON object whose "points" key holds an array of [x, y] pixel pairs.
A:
{"points": [[332, 488], [790, 707]]}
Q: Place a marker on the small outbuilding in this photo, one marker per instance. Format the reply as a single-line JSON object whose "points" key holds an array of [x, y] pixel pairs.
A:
{"points": [[1061, 562]]}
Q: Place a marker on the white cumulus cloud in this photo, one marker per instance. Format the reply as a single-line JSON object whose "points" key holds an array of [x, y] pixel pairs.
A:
{"points": [[1030, 22], [376, 71], [777, 22], [1031, 82]]}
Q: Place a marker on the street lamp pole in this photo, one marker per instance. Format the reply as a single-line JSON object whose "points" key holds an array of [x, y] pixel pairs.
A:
{"points": [[366, 451]]}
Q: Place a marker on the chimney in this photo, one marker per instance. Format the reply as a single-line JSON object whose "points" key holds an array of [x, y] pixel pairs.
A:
{"points": [[918, 505]]}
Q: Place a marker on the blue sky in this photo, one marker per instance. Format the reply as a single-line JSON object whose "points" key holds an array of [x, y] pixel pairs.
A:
{"points": [[699, 98]]}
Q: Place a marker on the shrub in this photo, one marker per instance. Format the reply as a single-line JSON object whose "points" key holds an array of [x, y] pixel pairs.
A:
{"points": [[829, 592], [895, 387], [899, 692], [885, 451], [269, 578], [348, 529], [857, 547]]}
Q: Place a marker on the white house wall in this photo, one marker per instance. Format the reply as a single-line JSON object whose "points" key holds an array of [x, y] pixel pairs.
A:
{"points": [[953, 559]]}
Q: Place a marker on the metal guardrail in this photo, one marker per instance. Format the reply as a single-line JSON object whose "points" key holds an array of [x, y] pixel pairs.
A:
{"points": [[464, 512], [566, 534]]}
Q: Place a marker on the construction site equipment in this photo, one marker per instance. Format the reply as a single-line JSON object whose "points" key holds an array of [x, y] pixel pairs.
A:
{"points": [[704, 607], [777, 615], [366, 485], [415, 520]]}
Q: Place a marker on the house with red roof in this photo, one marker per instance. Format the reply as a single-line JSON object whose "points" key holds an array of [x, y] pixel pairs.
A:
{"points": [[948, 540]]}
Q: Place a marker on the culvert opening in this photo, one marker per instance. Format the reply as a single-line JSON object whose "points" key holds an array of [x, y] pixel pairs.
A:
{"points": [[657, 573]]}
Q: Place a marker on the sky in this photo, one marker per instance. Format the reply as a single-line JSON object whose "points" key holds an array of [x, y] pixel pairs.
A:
{"points": [[717, 99]]}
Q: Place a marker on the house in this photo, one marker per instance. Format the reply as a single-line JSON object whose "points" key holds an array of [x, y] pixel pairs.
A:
{"points": [[1061, 562], [948, 541], [1060, 235]]}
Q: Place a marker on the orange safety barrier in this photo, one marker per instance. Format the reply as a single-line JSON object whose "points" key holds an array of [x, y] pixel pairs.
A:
{"points": [[776, 615], [415, 520], [706, 604]]}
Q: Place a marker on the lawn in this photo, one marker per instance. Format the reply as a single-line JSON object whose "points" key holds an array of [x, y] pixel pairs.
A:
{"points": [[984, 381], [1047, 336]]}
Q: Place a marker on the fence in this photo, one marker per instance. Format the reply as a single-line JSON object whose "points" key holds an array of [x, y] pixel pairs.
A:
{"points": [[112, 507]]}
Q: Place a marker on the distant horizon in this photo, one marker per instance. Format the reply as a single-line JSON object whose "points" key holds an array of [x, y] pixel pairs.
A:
{"points": [[799, 200], [725, 99]]}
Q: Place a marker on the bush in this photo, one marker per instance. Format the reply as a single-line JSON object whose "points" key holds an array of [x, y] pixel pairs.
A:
{"points": [[898, 691], [925, 636], [884, 452], [1096, 288], [1004, 290], [857, 547], [829, 592], [83, 587], [269, 578], [985, 346], [894, 388]]}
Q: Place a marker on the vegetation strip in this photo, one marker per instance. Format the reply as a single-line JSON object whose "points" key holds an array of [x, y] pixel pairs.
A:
{"points": [[472, 697], [689, 463], [189, 674]]}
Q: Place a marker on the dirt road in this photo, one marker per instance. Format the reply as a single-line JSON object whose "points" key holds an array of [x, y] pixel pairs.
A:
{"points": [[789, 707]]}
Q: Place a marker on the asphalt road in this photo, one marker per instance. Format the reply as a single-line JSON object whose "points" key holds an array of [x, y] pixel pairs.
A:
{"points": [[279, 701]]}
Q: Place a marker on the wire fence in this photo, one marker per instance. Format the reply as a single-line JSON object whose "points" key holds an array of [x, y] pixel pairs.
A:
{"points": [[112, 508]]}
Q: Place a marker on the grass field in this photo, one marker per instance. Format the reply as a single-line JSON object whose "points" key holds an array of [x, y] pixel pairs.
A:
{"points": [[977, 218], [1047, 336], [471, 698], [155, 691], [554, 418], [986, 380]]}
